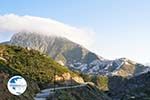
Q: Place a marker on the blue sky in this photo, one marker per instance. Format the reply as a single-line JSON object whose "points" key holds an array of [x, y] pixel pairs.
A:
{"points": [[121, 26]]}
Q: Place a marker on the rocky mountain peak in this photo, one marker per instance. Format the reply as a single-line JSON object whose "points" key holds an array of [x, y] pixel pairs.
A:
{"points": [[75, 56]]}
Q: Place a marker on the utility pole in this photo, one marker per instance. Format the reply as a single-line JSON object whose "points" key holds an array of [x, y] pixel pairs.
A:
{"points": [[71, 84], [54, 78], [54, 84]]}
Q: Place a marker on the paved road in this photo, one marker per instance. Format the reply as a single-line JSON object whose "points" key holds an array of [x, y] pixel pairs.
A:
{"points": [[47, 92]]}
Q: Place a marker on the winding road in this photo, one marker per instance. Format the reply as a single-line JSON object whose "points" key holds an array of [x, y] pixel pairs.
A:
{"points": [[43, 94]]}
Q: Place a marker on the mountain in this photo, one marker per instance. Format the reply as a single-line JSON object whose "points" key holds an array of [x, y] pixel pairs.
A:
{"points": [[75, 56]]}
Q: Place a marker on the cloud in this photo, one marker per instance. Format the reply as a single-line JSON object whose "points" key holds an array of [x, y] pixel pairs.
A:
{"points": [[15, 23]]}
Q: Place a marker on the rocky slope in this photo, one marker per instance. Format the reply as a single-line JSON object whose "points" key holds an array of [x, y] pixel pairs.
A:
{"points": [[77, 57]]}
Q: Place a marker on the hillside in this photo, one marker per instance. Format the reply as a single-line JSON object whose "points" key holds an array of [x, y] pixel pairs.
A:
{"points": [[5, 73], [32, 63], [136, 88], [38, 68], [120, 88]]}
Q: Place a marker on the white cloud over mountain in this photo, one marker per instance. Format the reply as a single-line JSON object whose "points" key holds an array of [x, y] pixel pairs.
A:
{"points": [[15, 23]]}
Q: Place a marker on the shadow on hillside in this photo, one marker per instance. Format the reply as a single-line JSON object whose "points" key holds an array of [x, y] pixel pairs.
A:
{"points": [[137, 88]]}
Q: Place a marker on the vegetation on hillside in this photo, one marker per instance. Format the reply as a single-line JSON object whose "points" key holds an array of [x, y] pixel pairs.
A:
{"points": [[38, 70], [31, 63], [5, 73]]}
